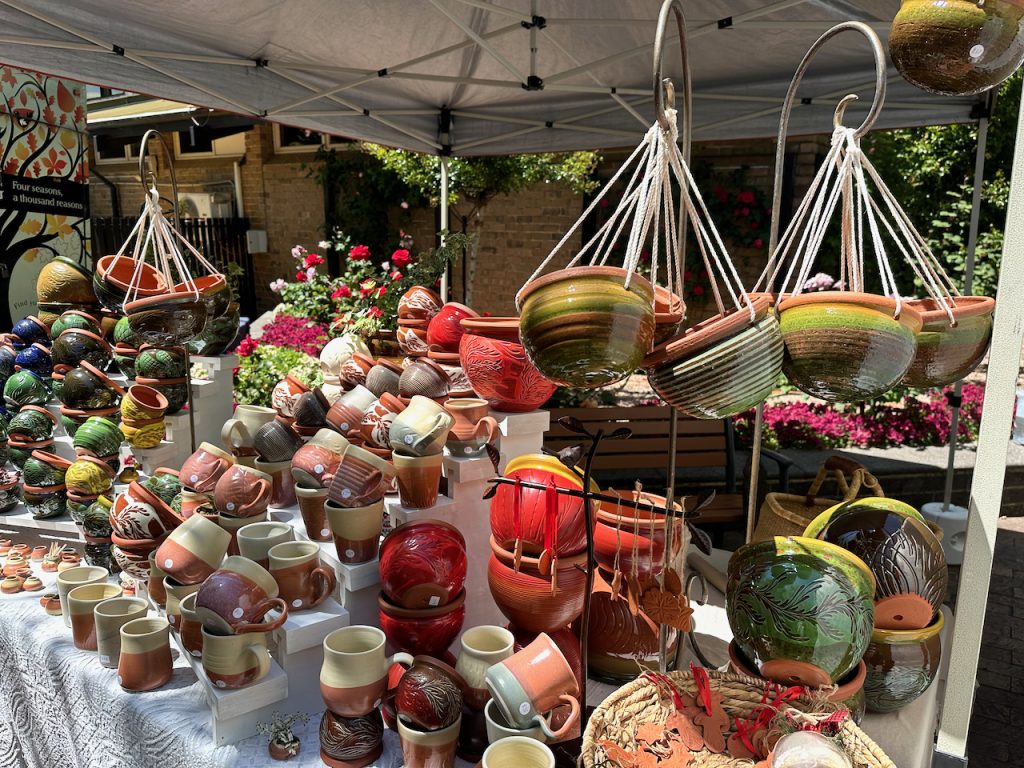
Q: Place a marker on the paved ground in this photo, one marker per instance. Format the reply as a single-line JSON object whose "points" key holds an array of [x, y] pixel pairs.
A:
{"points": [[997, 726]]}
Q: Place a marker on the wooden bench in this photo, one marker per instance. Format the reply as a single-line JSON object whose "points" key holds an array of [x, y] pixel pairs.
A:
{"points": [[699, 445]]}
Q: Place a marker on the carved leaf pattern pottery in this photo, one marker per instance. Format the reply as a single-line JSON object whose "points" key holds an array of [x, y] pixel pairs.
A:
{"points": [[350, 738]]}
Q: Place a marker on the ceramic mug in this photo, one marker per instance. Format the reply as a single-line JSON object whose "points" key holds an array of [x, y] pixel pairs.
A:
{"points": [[356, 530], [234, 661], [236, 598], [239, 433], [243, 492], [362, 478], [482, 647], [176, 592], [155, 582], [81, 602], [314, 464], [255, 540], [347, 412], [531, 683], [419, 479], [429, 749], [301, 580], [193, 550], [109, 616], [190, 626], [233, 525], [314, 515], [283, 494], [286, 394], [499, 728], [203, 469], [145, 661], [421, 429], [354, 675], [474, 428], [518, 752], [75, 577], [193, 503]]}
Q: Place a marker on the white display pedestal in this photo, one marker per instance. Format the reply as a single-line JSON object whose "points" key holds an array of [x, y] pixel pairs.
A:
{"points": [[521, 433]]}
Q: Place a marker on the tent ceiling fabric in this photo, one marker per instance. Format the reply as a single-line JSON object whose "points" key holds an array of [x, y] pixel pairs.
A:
{"points": [[382, 71]]}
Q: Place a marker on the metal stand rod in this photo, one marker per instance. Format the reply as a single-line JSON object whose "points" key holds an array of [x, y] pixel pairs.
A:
{"points": [[588, 517], [444, 226], [972, 246]]}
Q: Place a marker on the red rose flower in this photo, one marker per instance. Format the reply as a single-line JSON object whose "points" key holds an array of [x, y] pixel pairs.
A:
{"points": [[367, 286], [300, 276], [313, 260], [341, 292], [400, 257], [396, 276], [374, 312], [746, 197], [359, 253]]}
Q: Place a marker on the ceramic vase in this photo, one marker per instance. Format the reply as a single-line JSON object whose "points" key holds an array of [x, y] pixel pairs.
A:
{"points": [[901, 665], [423, 564], [474, 428]]}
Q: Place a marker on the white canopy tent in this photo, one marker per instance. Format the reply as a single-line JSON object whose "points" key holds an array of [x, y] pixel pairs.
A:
{"points": [[470, 77]]}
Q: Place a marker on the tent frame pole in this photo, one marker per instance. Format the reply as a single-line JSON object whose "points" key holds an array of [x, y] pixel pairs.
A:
{"points": [[972, 246], [445, 181], [987, 481]]}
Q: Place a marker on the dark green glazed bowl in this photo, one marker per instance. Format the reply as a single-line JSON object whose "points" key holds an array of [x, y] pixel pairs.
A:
{"points": [[75, 345], [846, 347], [801, 609], [25, 388], [901, 665], [77, 320], [18, 452], [124, 359], [160, 362], [32, 423], [124, 336], [10, 493], [581, 327], [43, 469], [45, 503], [88, 388], [96, 518], [945, 353], [821, 522], [164, 484], [216, 338]]}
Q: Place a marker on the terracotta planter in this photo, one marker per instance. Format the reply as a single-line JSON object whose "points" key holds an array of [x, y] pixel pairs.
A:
{"points": [[419, 303], [167, 318], [846, 347], [527, 597], [901, 664], [175, 390], [412, 337], [945, 354], [582, 327], [497, 368], [113, 277], [143, 403], [622, 528], [957, 47], [820, 598], [375, 425], [721, 367], [422, 631], [423, 564]]}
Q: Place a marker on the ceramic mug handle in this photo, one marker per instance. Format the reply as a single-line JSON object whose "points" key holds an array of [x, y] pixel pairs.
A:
{"points": [[231, 428], [574, 715], [487, 426], [262, 656], [263, 497], [262, 626], [324, 582]]}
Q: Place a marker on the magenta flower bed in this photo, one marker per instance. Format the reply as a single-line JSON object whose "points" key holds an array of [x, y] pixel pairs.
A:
{"points": [[295, 332], [915, 421]]}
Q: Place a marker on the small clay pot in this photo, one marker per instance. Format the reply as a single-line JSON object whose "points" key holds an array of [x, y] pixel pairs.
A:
{"points": [[424, 377], [175, 390], [143, 403], [213, 291]]}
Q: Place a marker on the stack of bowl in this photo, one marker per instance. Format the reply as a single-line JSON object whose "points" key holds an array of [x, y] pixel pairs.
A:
{"points": [[164, 369], [417, 307]]}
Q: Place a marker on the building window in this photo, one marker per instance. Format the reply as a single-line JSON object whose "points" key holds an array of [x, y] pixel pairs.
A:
{"points": [[115, 149], [207, 141], [289, 139]]}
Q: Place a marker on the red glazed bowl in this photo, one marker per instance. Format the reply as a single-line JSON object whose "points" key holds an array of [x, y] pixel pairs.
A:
{"points": [[444, 330], [622, 527], [526, 597], [496, 365], [572, 531], [423, 564], [424, 631]]}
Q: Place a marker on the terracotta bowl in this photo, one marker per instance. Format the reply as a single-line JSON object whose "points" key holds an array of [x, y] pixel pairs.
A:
{"points": [[957, 47], [721, 367], [844, 346], [497, 368], [945, 354], [801, 609], [526, 597], [423, 564], [422, 631], [113, 278], [582, 327], [906, 559], [622, 528], [901, 664]]}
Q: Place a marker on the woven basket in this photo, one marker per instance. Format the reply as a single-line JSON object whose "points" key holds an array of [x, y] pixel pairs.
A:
{"points": [[787, 514], [642, 701]]}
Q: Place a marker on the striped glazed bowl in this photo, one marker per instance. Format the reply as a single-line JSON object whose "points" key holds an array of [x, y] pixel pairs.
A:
{"points": [[945, 353]]}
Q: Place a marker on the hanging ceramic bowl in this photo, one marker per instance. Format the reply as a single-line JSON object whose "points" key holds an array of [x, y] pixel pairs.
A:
{"points": [[76, 319], [582, 327], [845, 346], [905, 557], [946, 353], [214, 292], [25, 388], [114, 278], [35, 358], [901, 665], [957, 47], [219, 333], [168, 318], [88, 388], [721, 367], [30, 329], [155, 362], [124, 358], [31, 423], [63, 280], [801, 609], [76, 344], [124, 336]]}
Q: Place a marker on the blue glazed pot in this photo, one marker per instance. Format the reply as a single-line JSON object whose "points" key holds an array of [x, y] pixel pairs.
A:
{"points": [[35, 358]]}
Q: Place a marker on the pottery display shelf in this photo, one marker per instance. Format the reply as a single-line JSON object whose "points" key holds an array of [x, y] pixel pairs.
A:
{"points": [[520, 433], [234, 714]]}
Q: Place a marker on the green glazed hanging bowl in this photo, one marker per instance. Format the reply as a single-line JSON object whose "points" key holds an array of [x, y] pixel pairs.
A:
{"points": [[19, 451], [844, 346], [44, 469], [945, 353], [114, 277], [582, 327], [97, 435], [721, 367], [213, 290], [31, 423], [160, 362], [218, 335], [77, 344], [124, 336], [820, 523], [957, 47], [25, 388], [124, 359], [169, 318], [45, 502], [801, 609], [902, 665], [74, 319]]}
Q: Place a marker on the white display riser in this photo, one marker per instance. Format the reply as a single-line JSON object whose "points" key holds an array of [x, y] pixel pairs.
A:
{"points": [[299, 651], [521, 433], [235, 714]]}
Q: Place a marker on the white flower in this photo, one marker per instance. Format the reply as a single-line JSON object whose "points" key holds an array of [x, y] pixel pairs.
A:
{"points": [[278, 285], [298, 252], [405, 205], [386, 266], [323, 245]]}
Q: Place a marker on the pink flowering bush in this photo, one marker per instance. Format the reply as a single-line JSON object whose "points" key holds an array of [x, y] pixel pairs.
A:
{"points": [[913, 420], [297, 333]]}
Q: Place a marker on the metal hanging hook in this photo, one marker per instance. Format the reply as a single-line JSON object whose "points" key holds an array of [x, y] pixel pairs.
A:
{"points": [[840, 113], [145, 173], [664, 90]]}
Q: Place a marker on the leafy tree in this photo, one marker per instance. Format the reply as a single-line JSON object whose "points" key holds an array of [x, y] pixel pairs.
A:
{"points": [[931, 172]]}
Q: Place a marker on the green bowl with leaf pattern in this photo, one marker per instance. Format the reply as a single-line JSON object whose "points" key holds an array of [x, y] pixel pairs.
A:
{"points": [[802, 610]]}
